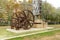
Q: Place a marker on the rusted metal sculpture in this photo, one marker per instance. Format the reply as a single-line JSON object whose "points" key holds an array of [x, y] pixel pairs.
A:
{"points": [[23, 19]]}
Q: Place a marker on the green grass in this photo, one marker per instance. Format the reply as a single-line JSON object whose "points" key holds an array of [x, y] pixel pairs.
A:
{"points": [[5, 33], [37, 35]]}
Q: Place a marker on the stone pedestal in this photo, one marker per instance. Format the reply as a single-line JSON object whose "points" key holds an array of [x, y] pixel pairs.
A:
{"points": [[42, 25]]}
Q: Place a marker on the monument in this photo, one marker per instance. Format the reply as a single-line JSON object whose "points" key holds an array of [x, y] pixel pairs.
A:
{"points": [[26, 18]]}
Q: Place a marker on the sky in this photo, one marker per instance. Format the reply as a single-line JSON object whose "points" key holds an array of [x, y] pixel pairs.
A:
{"points": [[55, 3]]}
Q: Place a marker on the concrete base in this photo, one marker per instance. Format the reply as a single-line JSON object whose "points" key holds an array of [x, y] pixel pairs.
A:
{"points": [[30, 30], [42, 25]]}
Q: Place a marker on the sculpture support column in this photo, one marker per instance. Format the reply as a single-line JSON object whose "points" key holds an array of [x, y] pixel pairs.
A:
{"points": [[36, 7]]}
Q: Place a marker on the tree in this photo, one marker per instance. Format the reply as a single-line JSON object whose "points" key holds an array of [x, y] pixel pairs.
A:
{"points": [[47, 11]]}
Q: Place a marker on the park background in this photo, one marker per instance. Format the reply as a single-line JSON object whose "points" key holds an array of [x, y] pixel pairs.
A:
{"points": [[50, 14]]}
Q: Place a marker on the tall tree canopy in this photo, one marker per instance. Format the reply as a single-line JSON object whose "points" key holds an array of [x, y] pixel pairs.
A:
{"points": [[47, 11]]}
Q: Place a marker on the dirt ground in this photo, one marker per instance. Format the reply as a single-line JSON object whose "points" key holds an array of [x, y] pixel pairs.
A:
{"points": [[54, 37]]}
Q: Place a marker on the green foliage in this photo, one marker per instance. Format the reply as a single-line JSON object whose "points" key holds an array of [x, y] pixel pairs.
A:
{"points": [[39, 35], [50, 13], [6, 8]]}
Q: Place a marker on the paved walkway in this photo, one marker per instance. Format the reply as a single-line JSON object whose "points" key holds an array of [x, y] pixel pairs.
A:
{"points": [[30, 30]]}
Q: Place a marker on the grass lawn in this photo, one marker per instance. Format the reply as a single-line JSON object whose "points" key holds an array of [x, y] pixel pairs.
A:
{"points": [[40, 35], [32, 37], [4, 34]]}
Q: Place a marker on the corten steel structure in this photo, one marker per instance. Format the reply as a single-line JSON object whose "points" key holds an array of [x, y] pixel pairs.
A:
{"points": [[36, 6], [25, 18]]}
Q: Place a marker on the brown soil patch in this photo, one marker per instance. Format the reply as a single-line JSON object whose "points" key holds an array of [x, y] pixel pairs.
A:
{"points": [[54, 37]]}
